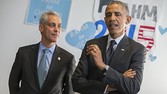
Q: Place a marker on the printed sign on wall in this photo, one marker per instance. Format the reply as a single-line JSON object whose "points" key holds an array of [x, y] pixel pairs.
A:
{"points": [[37, 7]]}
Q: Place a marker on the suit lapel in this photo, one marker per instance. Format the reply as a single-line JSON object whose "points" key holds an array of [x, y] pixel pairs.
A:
{"points": [[33, 59], [54, 67], [102, 45], [120, 51]]}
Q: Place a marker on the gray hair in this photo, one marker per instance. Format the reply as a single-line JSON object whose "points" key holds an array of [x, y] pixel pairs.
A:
{"points": [[44, 17], [120, 3]]}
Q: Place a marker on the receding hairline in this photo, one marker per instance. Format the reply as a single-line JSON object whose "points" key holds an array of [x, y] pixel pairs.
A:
{"points": [[44, 16]]}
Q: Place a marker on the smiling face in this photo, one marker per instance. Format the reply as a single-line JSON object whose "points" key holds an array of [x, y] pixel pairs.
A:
{"points": [[116, 18], [50, 30]]}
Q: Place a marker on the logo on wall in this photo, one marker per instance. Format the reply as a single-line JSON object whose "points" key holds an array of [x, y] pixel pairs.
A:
{"points": [[162, 30], [143, 27], [78, 38], [37, 7], [89, 30]]}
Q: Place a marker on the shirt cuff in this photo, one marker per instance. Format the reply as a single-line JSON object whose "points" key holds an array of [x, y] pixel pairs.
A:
{"points": [[105, 91], [105, 69]]}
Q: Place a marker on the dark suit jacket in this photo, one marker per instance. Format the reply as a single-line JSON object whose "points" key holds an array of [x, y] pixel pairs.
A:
{"points": [[88, 79], [23, 77]]}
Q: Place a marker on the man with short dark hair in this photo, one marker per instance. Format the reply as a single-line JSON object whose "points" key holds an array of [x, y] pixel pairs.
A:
{"points": [[112, 64]]}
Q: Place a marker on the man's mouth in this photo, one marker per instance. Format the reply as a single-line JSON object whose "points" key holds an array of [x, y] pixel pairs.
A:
{"points": [[112, 25], [54, 35]]}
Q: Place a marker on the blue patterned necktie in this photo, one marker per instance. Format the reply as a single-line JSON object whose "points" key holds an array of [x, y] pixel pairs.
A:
{"points": [[110, 51], [42, 68]]}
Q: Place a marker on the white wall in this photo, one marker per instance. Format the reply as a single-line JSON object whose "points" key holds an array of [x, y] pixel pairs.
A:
{"points": [[14, 33]]}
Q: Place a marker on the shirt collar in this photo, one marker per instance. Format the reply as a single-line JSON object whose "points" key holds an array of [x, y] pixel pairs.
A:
{"points": [[42, 47], [117, 40]]}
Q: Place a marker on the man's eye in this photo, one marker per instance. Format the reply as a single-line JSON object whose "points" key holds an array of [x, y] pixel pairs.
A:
{"points": [[117, 14], [108, 15], [51, 24], [59, 26]]}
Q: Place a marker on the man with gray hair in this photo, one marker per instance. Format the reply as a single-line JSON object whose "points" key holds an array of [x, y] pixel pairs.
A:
{"points": [[43, 68]]}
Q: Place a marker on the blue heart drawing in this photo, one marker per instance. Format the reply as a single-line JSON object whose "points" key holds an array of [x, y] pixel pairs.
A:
{"points": [[152, 57], [162, 30], [78, 38]]}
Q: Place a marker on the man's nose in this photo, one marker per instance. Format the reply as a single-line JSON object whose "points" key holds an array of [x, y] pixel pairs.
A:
{"points": [[56, 29], [112, 17]]}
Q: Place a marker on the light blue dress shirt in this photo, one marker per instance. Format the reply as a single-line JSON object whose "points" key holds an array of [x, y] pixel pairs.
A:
{"points": [[49, 54]]}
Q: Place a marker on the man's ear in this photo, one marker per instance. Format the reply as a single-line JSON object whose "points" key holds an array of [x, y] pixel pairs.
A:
{"points": [[105, 19], [41, 28], [128, 19]]}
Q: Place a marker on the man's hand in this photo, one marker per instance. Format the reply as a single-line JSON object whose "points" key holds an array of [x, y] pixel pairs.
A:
{"points": [[95, 52], [129, 73], [111, 88]]}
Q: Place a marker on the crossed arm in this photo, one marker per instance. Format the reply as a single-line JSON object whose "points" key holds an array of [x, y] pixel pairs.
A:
{"points": [[128, 73], [96, 53]]}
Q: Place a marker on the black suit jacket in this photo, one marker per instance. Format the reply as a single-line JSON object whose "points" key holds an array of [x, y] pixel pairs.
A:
{"points": [[23, 77], [88, 79]]}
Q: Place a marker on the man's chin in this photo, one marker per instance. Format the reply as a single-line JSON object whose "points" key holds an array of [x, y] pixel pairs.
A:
{"points": [[54, 40], [112, 31]]}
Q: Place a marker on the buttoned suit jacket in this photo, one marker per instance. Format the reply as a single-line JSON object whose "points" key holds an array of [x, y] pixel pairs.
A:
{"points": [[24, 78], [89, 79]]}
